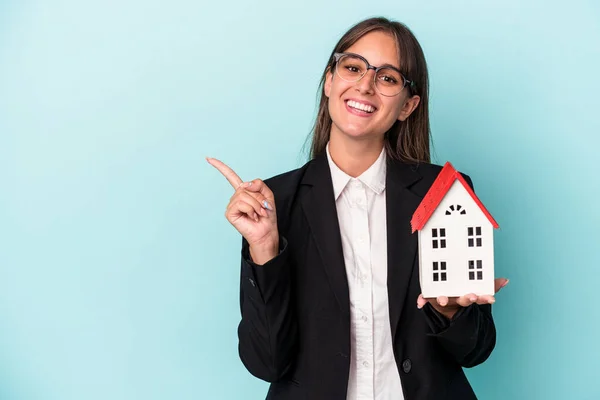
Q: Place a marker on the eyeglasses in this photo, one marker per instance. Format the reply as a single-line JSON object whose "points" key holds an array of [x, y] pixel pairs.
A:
{"points": [[389, 81]]}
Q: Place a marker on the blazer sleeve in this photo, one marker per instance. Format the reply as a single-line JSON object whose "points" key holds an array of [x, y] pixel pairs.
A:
{"points": [[470, 336], [267, 332]]}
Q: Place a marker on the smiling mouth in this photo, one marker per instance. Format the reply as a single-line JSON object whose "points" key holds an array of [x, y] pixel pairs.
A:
{"points": [[361, 107]]}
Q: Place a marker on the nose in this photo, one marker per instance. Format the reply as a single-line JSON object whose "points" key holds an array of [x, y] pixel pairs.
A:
{"points": [[367, 82]]}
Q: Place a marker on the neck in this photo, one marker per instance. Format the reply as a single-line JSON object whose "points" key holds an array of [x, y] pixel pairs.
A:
{"points": [[354, 156]]}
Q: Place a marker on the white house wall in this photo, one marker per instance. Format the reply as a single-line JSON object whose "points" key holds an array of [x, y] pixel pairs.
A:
{"points": [[457, 253]]}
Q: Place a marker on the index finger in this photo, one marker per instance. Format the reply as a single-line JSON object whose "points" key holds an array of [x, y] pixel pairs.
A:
{"points": [[227, 172]]}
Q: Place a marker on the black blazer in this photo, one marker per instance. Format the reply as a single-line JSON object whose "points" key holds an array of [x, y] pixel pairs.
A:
{"points": [[295, 326]]}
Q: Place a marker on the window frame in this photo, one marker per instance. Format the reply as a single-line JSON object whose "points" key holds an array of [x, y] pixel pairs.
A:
{"points": [[440, 271]]}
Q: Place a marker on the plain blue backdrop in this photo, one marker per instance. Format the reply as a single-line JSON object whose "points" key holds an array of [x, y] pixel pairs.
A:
{"points": [[118, 271]]}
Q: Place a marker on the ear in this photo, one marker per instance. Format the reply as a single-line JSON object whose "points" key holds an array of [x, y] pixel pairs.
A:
{"points": [[408, 107], [328, 79]]}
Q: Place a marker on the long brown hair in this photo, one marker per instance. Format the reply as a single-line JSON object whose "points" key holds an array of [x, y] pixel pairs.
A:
{"points": [[406, 140]]}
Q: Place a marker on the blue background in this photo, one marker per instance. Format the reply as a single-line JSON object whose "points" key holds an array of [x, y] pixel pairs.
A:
{"points": [[118, 272]]}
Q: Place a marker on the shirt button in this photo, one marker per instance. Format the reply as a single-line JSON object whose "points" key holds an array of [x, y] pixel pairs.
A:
{"points": [[364, 318], [366, 364], [406, 366], [252, 282]]}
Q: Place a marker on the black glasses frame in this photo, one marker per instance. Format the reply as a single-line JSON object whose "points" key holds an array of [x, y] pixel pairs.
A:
{"points": [[406, 82]]}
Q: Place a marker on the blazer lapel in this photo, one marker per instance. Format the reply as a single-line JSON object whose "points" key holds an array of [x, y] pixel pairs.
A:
{"points": [[320, 211], [401, 243]]}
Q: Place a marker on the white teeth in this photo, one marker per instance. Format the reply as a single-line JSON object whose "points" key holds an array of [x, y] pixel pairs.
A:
{"points": [[360, 106]]}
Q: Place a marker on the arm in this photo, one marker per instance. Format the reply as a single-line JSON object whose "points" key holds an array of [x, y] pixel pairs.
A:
{"points": [[470, 336], [268, 330]]}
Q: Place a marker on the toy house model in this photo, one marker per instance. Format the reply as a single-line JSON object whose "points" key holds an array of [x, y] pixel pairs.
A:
{"points": [[456, 239]]}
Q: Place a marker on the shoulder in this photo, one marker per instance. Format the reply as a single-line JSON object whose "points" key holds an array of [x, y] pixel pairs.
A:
{"points": [[285, 186], [286, 182], [429, 172]]}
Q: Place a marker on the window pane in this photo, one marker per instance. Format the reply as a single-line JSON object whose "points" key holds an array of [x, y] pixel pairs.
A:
{"points": [[479, 264], [478, 230], [471, 276], [443, 265], [435, 244], [470, 231], [443, 243], [443, 232], [435, 277], [471, 264], [470, 242], [478, 242], [435, 266], [443, 276], [479, 275], [434, 232]]}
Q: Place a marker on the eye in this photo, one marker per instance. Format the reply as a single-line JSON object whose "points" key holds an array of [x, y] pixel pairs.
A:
{"points": [[353, 68], [388, 79]]}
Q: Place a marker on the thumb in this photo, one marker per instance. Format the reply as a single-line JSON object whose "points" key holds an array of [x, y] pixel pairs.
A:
{"points": [[499, 283]]}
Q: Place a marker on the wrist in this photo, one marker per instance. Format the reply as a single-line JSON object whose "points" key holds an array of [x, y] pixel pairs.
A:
{"points": [[448, 312], [264, 251]]}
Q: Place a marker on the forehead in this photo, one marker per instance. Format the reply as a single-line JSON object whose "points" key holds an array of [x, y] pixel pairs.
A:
{"points": [[377, 47]]}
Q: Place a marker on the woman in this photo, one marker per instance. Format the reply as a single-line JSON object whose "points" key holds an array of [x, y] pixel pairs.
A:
{"points": [[330, 297]]}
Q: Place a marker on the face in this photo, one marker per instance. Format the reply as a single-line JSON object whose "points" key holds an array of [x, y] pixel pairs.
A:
{"points": [[378, 48]]}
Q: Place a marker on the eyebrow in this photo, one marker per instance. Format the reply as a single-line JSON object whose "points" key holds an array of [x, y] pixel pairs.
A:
{"points": [[380, 66], [390, 65]]}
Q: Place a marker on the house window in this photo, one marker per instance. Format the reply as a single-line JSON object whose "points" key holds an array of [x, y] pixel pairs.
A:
{"points": [[439, 271], [439, 238], [475, 270], [457, 208], [474, 236]]}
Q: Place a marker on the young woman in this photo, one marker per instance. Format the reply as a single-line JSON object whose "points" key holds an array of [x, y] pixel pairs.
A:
{"points": [[330, 297]]}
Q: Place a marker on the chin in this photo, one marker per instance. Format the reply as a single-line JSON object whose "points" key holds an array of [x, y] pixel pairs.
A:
{"points": [[356, 127], [356, 132]]}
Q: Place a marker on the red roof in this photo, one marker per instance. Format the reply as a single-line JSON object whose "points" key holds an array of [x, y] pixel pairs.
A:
{"points": [[436, 193]]}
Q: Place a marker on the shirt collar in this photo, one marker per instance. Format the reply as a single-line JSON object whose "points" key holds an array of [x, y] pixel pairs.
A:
{"points": [[373, 177]]}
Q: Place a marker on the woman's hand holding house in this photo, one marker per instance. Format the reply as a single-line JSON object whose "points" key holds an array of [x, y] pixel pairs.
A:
{"points": [[449, 306]]}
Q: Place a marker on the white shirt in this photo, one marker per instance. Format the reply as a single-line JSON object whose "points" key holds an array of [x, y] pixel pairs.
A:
{"points": [[361, 211]]}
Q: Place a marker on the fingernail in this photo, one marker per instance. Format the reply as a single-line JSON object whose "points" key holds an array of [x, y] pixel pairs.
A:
{"points": [[491, 301], [266, 205], [505, 283], [472, 298]]}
